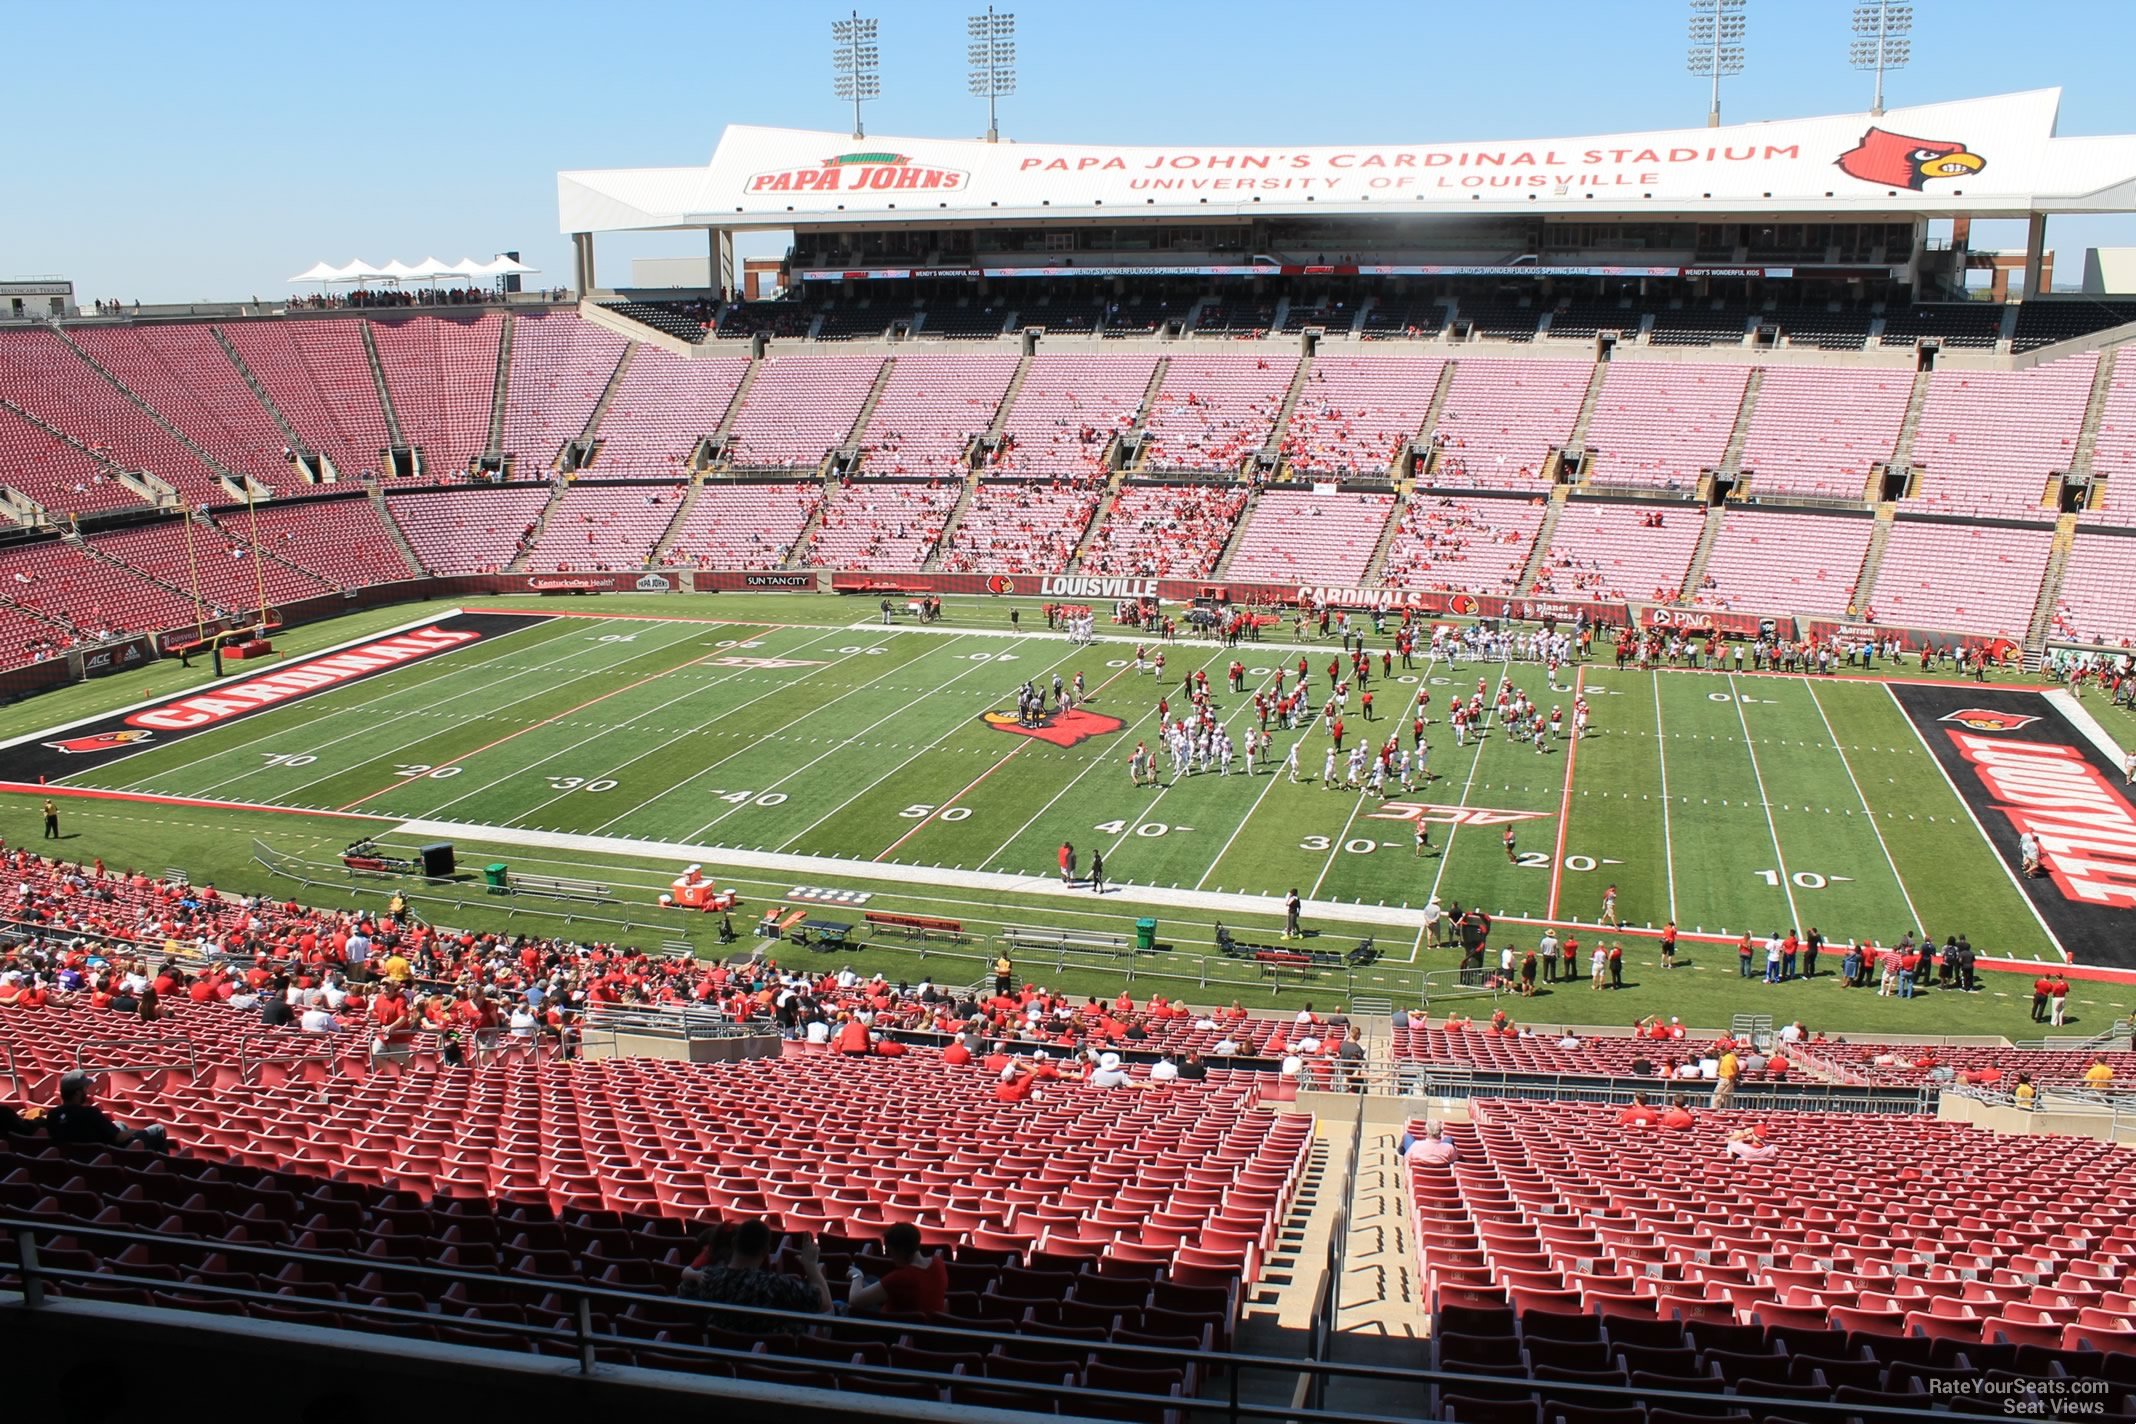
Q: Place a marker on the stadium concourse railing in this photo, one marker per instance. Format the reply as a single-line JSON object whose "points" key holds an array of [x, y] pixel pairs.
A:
{"points": [[592, 1349], [1426, 1078]]}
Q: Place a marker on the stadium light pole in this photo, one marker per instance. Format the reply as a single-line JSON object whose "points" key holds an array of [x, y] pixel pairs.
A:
{"points": [[1881, 42], [855, 65], [993, 62], [1716, 45]]}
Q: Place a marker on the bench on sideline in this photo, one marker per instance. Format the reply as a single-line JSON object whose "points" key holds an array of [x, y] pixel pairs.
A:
{"points": [[920, 927]]}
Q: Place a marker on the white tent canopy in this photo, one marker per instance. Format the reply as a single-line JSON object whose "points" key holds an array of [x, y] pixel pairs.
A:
{"points": [[429, 269]]}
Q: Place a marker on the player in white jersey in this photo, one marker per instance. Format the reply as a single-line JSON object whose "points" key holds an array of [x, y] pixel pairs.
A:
{"points": [[1376, 780], [1290, 762], [1223, 755], [1327, 771]]}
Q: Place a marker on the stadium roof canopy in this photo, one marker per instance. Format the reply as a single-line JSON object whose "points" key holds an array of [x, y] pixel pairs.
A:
{"points": [[1980, 157]]}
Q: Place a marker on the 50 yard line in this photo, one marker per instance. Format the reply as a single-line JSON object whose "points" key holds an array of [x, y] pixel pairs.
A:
{"points": [[1787, 886]]}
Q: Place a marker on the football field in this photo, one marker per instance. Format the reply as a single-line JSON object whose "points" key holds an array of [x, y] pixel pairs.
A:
{"points": [[1727, 803]]}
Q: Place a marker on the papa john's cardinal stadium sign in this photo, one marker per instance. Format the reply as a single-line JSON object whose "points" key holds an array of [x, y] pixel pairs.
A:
{"points": [[1979, 156]]}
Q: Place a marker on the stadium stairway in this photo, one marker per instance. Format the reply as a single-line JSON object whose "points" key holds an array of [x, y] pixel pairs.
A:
{"points": [[965, 495], [493, 446], [2080, 459], [234, 483], [658, 553], [274, 412], [378, 378], [1376, 569], [1008, 401], [589, 438], [1437, 408], [377, 496], [1577, 440], [850, 446], [1238, 530], [1732, 457], [1272, 448], [1873, 560], [2065, 538], [798, 558], [1544, 533], [1098, 515], [1704, 551], [144, 484], [1902, 448], [1143, 412], [725, 427], [528, 545]]}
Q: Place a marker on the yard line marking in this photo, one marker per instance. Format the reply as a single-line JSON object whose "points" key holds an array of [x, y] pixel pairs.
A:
{"points": [[1572, 753], [1661, 759], [1787, 886], [1913, 916], [1993, 853], [1247, 819], [839, 744], [1095, 762], [921, 824], [397, 694], [1490, 712], [1335, 846], [695, 656], [771, 691]]}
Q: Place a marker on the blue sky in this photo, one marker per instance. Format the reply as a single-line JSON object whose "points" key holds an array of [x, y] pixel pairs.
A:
{"points": [[167, 153]]}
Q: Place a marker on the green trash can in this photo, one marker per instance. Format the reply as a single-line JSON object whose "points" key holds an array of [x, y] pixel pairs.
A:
{"points": [[1146, 936], [495, 876]]}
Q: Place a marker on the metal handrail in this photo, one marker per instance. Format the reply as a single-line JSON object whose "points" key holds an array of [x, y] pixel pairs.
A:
{"points": [[587, 1342], [192, 1057]]}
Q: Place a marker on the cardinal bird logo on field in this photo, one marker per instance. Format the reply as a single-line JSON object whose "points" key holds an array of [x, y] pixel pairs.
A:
{"points": [[1461, 603], [1000, 583], [1981, 719], [1898, 161], [1063, 729], [101, 742]]}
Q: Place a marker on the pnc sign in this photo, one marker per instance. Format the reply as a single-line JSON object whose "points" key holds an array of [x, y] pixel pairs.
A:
{"points": [[863, 173]]}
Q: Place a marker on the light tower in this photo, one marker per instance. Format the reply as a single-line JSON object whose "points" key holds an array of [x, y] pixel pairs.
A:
{"points": [[1880, 41], [993, 62], [855, 65], [1716, 45]]}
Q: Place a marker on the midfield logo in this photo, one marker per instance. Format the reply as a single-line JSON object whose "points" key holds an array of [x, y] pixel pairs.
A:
{"points": [[1982, 719], [1063, 729], [101, 742]]}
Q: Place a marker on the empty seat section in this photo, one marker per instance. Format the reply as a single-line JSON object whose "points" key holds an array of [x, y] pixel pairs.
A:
{"points": [[43, 375], [2097, 603], [1165, 531], [1615, 551], [1661, 423], [441, 374], [1817, 430], [1357, 412], [227, 577], [1473, 545], [1785, 563], [1022, 527], [318, 376], [1502, 418], [559, 367], [1300, 535], [604, 527], [62, 477], [1977, 579], [184, 373], [931, 410], [663, 408], [1067, 412], [338, 540], [881, 524], [61, 580], [744, 525], [1989, 440], [799, 409], [468, 532], [1213, 411]]}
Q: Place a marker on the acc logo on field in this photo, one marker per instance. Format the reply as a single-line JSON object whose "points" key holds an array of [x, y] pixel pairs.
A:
{"points": [[1063, 729], [1980, 719], [101, 742], [1000, 583]]}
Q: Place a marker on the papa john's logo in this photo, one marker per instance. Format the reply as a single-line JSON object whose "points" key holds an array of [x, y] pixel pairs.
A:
{"points": [[101, 742], [863, 173], [1000, 583], [1898, 161], [1063, 729], [1981, 719]]}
